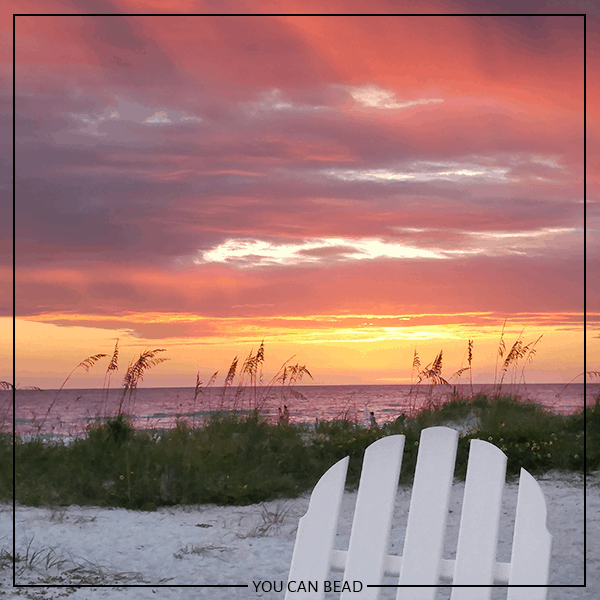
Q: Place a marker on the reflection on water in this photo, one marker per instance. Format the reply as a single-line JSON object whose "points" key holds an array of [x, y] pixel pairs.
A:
{"points": [[74, 410]]}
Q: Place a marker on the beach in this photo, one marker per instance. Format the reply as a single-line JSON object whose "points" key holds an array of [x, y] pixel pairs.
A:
{"points": [[208, 544]]}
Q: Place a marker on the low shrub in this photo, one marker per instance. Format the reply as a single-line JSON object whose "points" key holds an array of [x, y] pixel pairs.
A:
{"points": [[243, 459]]}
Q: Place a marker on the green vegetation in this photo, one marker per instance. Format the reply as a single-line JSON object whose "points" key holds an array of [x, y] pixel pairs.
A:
{"points": [[244, 459], [237, 457]]}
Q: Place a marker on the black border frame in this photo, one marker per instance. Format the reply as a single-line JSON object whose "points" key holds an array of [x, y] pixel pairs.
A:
{"points": [[584, 15]]}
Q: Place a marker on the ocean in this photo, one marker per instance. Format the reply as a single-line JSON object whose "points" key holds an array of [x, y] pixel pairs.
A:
{"points": [[69, 412]]}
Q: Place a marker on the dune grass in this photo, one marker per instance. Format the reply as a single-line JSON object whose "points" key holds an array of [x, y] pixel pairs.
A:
{"points": [[237, 459]]}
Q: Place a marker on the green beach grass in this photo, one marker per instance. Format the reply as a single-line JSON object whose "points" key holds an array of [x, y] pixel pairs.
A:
{"points": [[238, 460]]}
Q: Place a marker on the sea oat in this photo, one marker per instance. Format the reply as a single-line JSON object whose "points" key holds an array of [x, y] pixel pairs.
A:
{"points": [[86, 364], [135, 372]]}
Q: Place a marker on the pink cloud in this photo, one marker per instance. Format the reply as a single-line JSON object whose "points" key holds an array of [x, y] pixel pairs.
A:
{"points": [[141, 146]]}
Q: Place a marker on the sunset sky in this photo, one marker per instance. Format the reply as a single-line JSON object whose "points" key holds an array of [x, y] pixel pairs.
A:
{"points": [[346, 188]]}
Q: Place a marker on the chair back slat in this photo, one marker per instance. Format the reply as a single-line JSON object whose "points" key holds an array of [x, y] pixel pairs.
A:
{"points": [[369, 539], [316, 533], [530, 560], [427, 513], [421, 564], [479, 522]]}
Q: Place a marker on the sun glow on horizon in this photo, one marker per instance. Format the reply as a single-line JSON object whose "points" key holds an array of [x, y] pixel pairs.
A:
{"points": [[336, 352]]}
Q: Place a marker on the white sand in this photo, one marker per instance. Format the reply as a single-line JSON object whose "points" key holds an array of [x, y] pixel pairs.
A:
{"points": [[227, 545]]}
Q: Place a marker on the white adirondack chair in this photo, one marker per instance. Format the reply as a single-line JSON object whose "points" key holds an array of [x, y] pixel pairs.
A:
{"points": [[421, 564]]}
